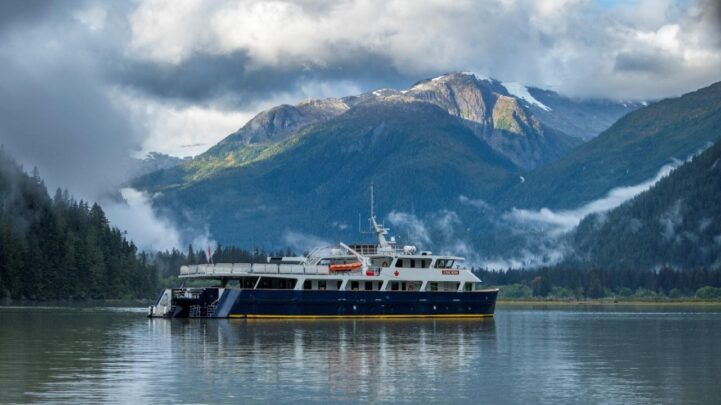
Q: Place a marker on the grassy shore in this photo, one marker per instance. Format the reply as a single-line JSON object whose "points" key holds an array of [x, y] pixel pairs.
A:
{"points": [[609, 301]]}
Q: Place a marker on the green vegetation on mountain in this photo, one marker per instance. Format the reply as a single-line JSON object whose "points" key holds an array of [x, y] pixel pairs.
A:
{"points": [[409, 149], [61, 248], [675, 223], [633, 150]]}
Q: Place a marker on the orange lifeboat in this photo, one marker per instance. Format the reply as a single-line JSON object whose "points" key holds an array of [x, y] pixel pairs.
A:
{"points": [[345, 267]]}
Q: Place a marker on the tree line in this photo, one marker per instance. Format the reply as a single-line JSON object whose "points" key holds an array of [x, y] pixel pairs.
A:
{"points": [[568, 282], [62, 248]]}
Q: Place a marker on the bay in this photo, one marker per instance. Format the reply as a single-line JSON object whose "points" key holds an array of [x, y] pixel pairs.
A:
{"points": [[526, 354]]}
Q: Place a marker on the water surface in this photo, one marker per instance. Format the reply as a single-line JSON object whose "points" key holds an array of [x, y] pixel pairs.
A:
{"points": [[524, 355]]}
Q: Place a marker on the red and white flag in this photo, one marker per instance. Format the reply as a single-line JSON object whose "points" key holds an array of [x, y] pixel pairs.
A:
{"points": [[210, 256]]}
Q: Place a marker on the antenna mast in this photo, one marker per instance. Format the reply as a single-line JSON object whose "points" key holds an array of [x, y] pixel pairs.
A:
{"points": [[372, 201]]}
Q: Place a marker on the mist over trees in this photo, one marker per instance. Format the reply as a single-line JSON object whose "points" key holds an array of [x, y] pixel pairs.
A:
{"points": [[62, 248]]}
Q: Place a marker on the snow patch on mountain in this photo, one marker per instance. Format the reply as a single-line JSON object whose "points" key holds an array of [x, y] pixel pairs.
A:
{"points": [[521, 91]]}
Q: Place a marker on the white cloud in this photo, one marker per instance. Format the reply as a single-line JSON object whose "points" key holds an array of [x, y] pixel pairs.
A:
{"points": [[410, 225], [301, 242], [543, 42], [136, 216], [188, 130], [565, 220], [179, 130]]}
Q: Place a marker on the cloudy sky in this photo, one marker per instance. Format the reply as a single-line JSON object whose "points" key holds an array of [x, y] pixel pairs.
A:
{"points": [[85, 84]]}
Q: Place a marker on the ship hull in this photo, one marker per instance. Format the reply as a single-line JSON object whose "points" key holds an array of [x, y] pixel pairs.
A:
{"points": [[303, 304]]}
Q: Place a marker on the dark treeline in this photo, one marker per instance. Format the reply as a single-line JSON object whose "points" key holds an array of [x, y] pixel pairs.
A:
{"points": [[61, 248], [599, 283], [168, 263]]}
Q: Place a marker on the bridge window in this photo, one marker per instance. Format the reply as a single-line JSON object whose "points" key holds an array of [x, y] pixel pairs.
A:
{"points": [[413, 263], [354, 285], [399, 263], [444, 263], [248, 282], [274, 283]]}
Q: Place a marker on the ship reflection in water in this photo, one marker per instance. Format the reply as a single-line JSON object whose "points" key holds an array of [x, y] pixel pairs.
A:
{"points": [[551, 355], [336, 359]]}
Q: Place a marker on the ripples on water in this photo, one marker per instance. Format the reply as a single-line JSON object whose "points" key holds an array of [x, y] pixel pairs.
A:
{"points": [[566, 355]]}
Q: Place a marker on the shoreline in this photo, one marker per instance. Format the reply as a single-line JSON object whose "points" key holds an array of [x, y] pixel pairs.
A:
{"points": [[608, 302], [77, 303]]}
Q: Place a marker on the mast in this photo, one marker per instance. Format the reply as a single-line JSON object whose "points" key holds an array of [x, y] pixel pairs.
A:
{"points": [[378, 229]]}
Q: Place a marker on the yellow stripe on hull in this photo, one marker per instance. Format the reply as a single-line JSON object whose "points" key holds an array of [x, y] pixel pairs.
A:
{"points": [[257, 316]]}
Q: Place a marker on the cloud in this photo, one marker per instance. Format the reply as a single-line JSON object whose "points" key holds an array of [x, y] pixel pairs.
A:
{"points": [[56, 114], [177, 130], [301, 242], [134, 214], [479, 204], [545, 43], [558, 222], [415, 229]]}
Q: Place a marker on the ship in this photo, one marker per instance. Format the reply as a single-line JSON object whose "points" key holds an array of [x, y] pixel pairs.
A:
{"points": [[367, 280]]}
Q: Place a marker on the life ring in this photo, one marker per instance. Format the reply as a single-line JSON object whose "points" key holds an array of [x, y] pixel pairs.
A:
{"points": [[385, 264]]}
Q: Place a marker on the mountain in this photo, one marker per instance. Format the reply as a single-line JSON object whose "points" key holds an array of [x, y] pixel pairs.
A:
{"points": [[505, 121], [501, 119], [630, 152], [155, 161], [420, 157], [584, 118], [676, 223], [305, 167]]}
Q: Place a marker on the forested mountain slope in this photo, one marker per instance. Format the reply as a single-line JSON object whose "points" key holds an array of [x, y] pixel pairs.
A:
{"points": [[676, 223], [633, 150]]}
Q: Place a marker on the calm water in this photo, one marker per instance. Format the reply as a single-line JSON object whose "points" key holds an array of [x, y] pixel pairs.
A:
{"points": [[524, 355]]}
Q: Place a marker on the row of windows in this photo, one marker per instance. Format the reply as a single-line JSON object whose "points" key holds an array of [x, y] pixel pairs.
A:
{"points": [[415, 263], [355, 285]]}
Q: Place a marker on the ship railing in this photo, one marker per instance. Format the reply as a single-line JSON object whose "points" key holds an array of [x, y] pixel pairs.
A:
{"points": [[369, 250], [238, 269]]}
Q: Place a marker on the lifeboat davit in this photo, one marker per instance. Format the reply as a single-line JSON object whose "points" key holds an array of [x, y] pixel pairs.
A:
{"points": [[345, 267]]}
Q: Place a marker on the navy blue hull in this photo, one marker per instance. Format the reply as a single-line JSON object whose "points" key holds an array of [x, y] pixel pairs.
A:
{"points": [[241, 303]]}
